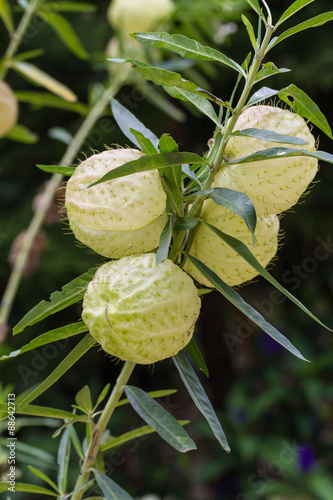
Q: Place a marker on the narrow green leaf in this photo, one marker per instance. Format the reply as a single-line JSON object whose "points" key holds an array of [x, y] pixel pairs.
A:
{"points": [[256, 7], [294, 7], [64, 30], [303, 105], [145, 144], [39, 77], [197, 393], [70, 294], [173, 175], [126, 120], [79, 350], [261, 95], [6, 15], [83, 399], [63, 456], [153, 394], [75, 441], [272, 153], [30, 54], [71, 6], [144, 430], [20, 133], [184, 224], [40, 411], [196, 355], [52, 336], [236, 201], [102, 396], [44, 477], [110, 489], [29, 488], [165, 241], [314, 22], [192, 175], [270, 69], [250, 32], [41, 99], [166, 78], [245, 308], [156, 416], [247, 255], [268, 135], [186, 47], [167, 144], [149, 162], [57, 169], [200, 102]]}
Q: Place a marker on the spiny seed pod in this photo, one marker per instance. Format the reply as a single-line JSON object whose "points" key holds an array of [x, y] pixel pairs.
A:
{"points": [[272, 185], [138, 15], [220, 257], [124, 216], [141, 311], [8, 108]]}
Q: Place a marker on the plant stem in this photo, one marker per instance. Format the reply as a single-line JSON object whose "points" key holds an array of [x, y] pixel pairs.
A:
{"points": [[18, 35], [250, 81], [100, 428], [52, 186]]}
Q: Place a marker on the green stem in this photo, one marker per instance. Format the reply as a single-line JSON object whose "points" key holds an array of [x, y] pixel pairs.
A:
{"points": [[100, 429], [48, 196], [18, 35]]}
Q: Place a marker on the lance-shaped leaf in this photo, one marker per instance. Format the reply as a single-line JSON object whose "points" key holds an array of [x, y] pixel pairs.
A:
{"points": [[57, 169], [192, 175], [144, 430], [238, 202], [174, 174], [186, 47], [39, 77], [6, 15], [247, 255], [29, 488], [63, 456], [273, 153], [302, 104], [165, 241], [166, 78], [41, 99], [44, 477], [158, 418], [200, 102], [72, 6], [294, 7], [149, 162], [110, 489], [64, 31], [196, 355], [268, 135], [70, 294], [20, 133], [233, 297], [314, 22], [261, 95], [63, 332], [269, 69], [153, 394], [256, 7], [185, 223], [126, 120], [145, 144], [40, 411], [250, 32], [79, 350], [197, 393]]}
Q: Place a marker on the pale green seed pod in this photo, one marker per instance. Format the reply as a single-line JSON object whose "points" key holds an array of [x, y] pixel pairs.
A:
{"points": [[138, 15], [141, 311], [124, 216], [8, 108], [273, 185], [220, 257]]}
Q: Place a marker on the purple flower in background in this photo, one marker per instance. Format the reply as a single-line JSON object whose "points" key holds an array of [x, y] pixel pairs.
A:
{"points": [[306, 458], [269, 346]]}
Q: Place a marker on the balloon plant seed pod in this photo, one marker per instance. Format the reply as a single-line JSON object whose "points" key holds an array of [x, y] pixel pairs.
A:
{"points": [[139, 310], [210, 249], [8, 108], [138, 15], [272, 185], [120, 217]]}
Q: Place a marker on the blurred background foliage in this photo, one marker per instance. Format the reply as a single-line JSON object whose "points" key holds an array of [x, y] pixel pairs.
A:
{"points": [[277, 411]]}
